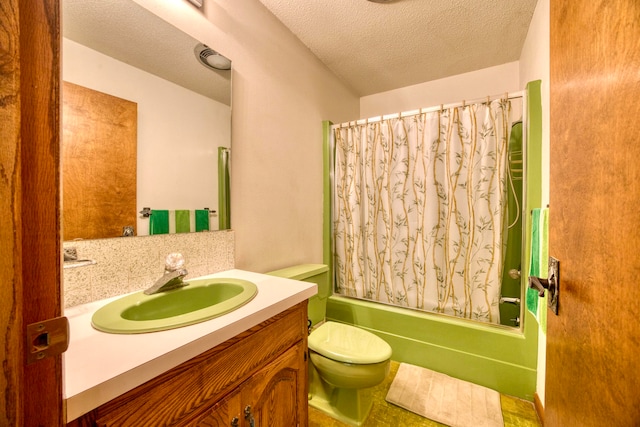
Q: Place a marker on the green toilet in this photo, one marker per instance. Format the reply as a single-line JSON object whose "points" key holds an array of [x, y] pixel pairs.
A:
{"points": [[345, 361]]}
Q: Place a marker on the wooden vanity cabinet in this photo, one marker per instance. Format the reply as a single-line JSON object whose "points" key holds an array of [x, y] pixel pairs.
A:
{"points": [[259, 376], [262, 398]]}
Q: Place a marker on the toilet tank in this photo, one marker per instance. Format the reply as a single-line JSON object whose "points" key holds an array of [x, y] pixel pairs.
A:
{"points": [[313, 273]]}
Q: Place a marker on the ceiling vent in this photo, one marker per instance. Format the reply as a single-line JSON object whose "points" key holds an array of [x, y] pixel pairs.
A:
{"points": [[210, 58]]}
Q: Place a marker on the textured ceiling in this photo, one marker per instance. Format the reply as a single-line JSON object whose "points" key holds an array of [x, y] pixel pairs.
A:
{"points": [[126, 31], [375, 47]]}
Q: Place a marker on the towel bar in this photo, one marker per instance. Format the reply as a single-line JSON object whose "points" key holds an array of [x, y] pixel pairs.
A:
{"points": [[146, 212]]}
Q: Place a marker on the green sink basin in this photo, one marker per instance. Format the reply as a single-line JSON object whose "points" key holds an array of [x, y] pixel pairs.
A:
{"points": [[202, 300]]}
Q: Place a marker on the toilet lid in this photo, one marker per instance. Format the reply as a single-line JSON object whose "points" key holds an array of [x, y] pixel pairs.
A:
{"points": [[346, 343]]}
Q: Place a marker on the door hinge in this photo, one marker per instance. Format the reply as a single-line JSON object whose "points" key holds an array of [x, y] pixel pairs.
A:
{"points": [[47, 338]]}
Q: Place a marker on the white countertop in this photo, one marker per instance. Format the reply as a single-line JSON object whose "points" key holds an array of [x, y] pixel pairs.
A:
{"points": [[99, 366]]}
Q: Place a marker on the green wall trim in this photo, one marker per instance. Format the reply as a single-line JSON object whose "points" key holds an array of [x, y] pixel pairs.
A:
{"points": [[327, 256], [533, 169], [224, 193], [499, 358], [534, 144]]}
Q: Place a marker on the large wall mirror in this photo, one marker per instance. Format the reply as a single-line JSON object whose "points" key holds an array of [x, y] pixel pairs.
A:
{"points": [[131, 76]]}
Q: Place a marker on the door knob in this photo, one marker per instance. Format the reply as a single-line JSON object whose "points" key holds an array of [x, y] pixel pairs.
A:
{"points": [[539, 284], [552, 284]]}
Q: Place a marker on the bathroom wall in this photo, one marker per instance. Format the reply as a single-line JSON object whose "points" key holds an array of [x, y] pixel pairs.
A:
{"points": [[127, 264], [281, 94], [198, 123], [534, 65], [473, 85]]}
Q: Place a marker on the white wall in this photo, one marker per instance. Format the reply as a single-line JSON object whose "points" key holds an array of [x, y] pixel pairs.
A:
{"points": [[281, 95], [178, 131], [468, 86], [534, 65]]}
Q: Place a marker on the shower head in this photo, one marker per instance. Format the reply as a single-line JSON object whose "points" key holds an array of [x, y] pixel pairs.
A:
{"points": [[210, 58]]}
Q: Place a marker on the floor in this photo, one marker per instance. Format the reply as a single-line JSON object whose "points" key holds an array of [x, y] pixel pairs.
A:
{"points": [[516, 412]]}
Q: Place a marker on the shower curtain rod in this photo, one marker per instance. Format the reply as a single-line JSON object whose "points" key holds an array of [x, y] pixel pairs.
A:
{"points": [[409, 113]]}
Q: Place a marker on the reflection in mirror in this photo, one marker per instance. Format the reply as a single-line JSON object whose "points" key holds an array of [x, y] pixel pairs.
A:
{"points": [[119, 51]]}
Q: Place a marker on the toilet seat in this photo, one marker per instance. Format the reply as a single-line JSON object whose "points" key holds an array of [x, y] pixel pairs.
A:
{"points": [[348, 344]]}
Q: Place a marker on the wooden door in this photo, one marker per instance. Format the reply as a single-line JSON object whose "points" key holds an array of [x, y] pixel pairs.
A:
{"points": [[593, 345], [30, 258], [99, 146]]}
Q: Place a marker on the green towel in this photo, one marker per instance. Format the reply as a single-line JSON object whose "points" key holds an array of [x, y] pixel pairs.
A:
{"points": [[539, 263], [202, 220], [159, 222], [224, 194], [534, 264], [544, 266], [183, 221]]}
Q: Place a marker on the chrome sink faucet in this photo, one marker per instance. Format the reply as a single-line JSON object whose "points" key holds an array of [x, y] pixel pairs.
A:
{"points": [[174, 272]]}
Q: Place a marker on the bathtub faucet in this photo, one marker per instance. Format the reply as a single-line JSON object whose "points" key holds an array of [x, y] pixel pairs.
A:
{"points": [[510, 300], [174, 272]]}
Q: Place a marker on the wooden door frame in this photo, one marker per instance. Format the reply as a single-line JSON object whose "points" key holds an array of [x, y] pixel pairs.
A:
{"points": [[30, 264]]}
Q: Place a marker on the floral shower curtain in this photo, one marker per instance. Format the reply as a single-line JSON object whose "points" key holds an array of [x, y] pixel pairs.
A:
{"points": [[420, 208]]}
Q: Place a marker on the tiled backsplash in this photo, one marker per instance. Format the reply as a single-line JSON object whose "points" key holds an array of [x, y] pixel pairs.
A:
{"points": [[127, 264]]}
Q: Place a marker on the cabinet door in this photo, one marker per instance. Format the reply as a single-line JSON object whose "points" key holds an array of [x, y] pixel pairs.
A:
{"points": [[277, 394], [225, 413]]}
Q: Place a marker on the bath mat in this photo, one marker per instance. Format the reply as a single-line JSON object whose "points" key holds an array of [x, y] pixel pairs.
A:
{"points": [[445, 399]]}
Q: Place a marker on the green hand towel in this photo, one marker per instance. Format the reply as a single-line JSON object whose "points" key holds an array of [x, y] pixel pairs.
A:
{"points": [[202, 220], [183, 221], [159, 222], [534, 264], [544, 266], [539, 263]]}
